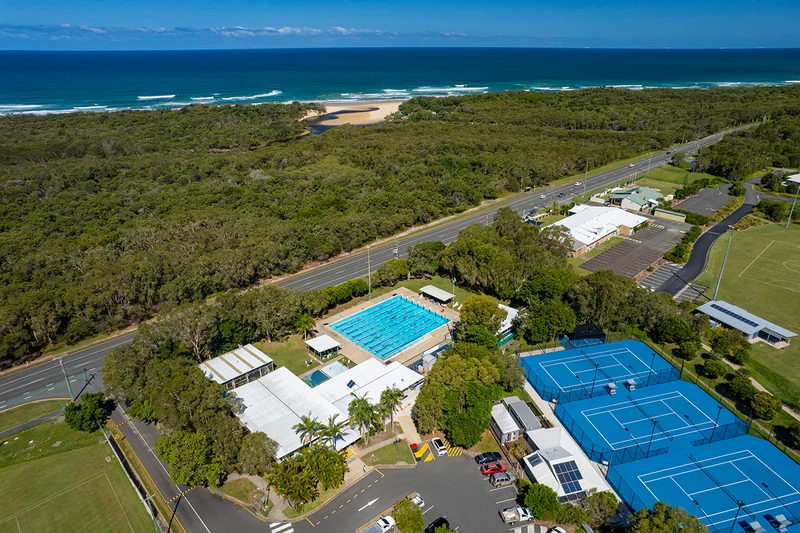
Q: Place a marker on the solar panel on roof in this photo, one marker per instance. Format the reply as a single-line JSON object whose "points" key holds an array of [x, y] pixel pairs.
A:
{"points": [[571, 486], [734, 315], [351, 384]]}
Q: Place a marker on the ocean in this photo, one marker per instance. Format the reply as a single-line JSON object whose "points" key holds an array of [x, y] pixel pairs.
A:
{"points": [[63, 82]]}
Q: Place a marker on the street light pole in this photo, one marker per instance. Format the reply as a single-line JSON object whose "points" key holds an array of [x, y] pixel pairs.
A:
{"points": [[369, 271], [652, 433], [594, 380], [722, 268], [791, 211], [740, 503], [453, 301], [64, 370]]}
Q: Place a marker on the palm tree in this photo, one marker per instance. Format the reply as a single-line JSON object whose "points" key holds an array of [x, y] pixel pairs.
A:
{"points": [[362, 415], [391, 399], [305, 323], [307, 428], [331, 431]]}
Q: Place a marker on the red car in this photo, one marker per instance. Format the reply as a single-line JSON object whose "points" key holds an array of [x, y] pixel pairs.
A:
{"points": [[493, 468]]}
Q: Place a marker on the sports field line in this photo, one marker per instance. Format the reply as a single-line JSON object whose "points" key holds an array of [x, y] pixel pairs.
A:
{"points": [[54, 496], [119, 502], [770, 283], [756, 259]]}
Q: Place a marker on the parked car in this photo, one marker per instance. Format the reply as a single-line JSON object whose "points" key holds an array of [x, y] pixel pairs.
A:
{"points": [[439, 446], [493, 468], [488, 457], [383, 525], [439, 522], [512, 515], [417, 500], [502, 480], [556, 529]]}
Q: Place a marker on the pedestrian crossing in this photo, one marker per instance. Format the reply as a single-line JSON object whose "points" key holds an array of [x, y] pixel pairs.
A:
{"points": [[281, 527]]}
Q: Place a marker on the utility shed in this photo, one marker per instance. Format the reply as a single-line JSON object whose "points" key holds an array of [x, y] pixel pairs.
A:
{"points": [[753, 327], [503, 425], [522, 414], [435, 293]]}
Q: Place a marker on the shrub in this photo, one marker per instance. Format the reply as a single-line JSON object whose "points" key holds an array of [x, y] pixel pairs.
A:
{"points": [[714, 369], [408, 517], [88, 415], [740, 385], [543, 502], [794, 435]]}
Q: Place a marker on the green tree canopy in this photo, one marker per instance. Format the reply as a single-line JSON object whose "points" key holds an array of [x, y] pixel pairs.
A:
{"points": [[663, 518], [481, 311], [542, 501], [190, 458], [408, 517], [764, 405], [257, 454], [425, 258], [88, 415]]}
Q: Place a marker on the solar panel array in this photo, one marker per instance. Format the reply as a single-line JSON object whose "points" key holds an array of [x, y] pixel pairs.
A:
{"points": [[734, 315], [569, 476]]}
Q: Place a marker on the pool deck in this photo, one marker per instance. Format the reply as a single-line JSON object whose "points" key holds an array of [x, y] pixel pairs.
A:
{"points": [[357, 354]]}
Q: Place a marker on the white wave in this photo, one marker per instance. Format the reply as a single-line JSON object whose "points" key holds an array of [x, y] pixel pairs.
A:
{"points": [[202, 98], [626, 86], [545, 88], [90, 108], [792, 81], [727, 83], [42, 112], [457, 88], [253, 97], [156, 97], [18, 107], [396, 91]]}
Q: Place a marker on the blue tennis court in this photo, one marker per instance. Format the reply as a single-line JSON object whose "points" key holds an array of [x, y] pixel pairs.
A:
{"points": [[744, 483], [581, 373], [657, 417], [389, 327]]}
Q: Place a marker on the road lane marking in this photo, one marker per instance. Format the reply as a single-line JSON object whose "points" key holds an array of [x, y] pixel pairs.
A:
{"points": [[504, 501], [22, 386]]}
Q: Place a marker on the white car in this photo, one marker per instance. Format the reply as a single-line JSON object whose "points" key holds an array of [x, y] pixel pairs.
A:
{"points": [[417, 500], [542, 196], [385, 524], [631, 165], [578, 183], [439, 446]]}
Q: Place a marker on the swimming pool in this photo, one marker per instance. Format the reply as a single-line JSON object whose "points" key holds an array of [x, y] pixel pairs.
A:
{"points": [[321, 375], [388, 328]]}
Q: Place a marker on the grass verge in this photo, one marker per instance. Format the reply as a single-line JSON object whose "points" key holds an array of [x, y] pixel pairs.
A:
{"points": [[291, 353], [16, 416], [243, 490], [391, 454], [487, 443], [323, 497]]}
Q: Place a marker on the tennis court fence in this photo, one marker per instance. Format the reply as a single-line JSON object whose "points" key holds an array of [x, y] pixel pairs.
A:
{"points": [[550, 393], [723, 432], [624, 490], [603, 454]]}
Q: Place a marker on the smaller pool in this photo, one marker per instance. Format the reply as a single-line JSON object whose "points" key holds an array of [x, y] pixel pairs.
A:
{"points": [[333, 369], [321, 375]]}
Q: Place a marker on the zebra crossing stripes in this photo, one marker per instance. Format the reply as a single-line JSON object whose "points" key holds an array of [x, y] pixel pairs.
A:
{"points": [[281, 527], [452, 451], [530, 528]]}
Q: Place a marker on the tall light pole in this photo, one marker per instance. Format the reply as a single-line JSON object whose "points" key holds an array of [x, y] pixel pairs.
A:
{"points": [[650, 159], [722, 268], [64, 370], [740, 503], [791, 211], [453, 301], [369, 271], [652, 434]]}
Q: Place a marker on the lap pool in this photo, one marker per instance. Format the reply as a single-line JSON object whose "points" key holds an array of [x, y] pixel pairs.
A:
{"points": [[388, 328]]}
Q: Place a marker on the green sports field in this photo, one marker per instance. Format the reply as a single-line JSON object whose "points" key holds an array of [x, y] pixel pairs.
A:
{"points": [[57, 480], [762, 275]]}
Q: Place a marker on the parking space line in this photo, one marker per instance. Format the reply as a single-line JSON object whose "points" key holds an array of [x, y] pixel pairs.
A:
{"points": [[428, 509], [502, 488], [504, 501]]}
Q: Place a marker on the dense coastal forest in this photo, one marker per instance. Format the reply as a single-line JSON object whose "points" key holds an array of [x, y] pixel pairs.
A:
{"points": [[107, 218]]}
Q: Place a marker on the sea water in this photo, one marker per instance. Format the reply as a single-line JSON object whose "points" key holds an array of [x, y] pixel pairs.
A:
{"points": [[63, 82]]}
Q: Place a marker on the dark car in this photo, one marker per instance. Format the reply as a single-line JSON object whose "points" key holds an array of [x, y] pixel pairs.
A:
{"points": [[488, 457], [561, 195], [439, 522]]}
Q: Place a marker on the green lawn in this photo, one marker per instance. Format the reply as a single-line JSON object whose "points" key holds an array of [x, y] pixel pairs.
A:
{"points": [[15, 416], [761, 275], [291, 353], [391, 454], [487, 443], [668, 179], [243, 490], [77, 486], [552, 219]]}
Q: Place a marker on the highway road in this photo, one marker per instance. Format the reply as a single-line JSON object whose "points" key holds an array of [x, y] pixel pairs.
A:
{"points": [[47, 380]]}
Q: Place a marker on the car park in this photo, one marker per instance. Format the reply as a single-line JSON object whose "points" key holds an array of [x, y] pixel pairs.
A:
{"points": [[436, 524], [503, 479], [488, 457], [439, 446], [417, 500], [493, 468]]}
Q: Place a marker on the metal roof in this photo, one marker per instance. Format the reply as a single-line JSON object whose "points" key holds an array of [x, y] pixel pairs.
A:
{"points": [[588, 224], [503, 419], [522, 413], [639, 195], [323, 343], [794, 178], [233, 364], [437, 293], [511, 314], [738, 318]]}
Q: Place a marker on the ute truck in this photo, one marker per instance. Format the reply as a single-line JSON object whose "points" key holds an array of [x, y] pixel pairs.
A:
{"points": [[512, 515]]}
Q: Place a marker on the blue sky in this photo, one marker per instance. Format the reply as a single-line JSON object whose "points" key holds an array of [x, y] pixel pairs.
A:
{"points": [[179, 24]]}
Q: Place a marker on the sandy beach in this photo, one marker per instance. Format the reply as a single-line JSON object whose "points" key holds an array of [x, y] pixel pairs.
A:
{"points": [[357, 113]]}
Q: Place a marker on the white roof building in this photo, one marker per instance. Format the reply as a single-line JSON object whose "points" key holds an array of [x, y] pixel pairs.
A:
{"points": [[238, 367], [511, 314], [275, 404], [368, 379], [503, 424], [436, 293], [323, 345], [588, 224], [794, 178], [559, 463]]}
